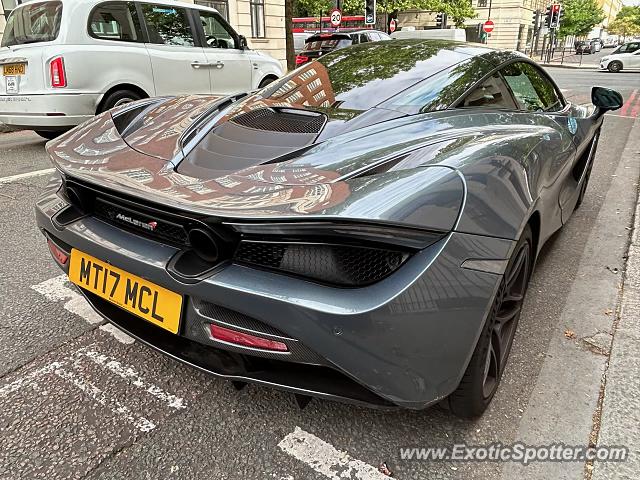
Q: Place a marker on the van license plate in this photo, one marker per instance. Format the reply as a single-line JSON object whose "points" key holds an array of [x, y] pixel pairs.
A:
{"points": [[14, 69], [12, 84]]}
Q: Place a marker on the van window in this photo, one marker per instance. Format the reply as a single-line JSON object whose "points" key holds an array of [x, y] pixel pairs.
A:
{"points": [[115, 21], [33, 23], [217, 33], [168, 25]]}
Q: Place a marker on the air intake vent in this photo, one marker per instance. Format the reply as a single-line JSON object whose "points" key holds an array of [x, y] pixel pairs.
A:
{"points": [[339, 265], [282, 120]]}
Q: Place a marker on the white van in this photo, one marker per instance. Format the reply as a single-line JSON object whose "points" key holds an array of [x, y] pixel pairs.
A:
{"points": [[63, 61]]}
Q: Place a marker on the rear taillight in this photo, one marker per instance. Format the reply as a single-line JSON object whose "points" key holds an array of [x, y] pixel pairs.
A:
{"points": [[58, 75], [300, 59], [60, 255], [245, 339]]}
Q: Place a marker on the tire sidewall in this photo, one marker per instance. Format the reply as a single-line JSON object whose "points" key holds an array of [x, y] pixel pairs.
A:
{"points": [[615, 66], [113, 98], [468, 400]]}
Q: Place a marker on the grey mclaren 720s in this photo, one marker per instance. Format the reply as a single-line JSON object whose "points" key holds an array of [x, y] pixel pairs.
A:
{"points": [[362, 229]]}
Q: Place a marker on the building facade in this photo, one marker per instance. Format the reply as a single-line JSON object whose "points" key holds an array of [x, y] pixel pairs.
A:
{"points": [[513, 21], [261, 21]]}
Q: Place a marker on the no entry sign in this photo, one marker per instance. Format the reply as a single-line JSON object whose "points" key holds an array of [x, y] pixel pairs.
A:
{"points": [[488, 26], [392, 25]]}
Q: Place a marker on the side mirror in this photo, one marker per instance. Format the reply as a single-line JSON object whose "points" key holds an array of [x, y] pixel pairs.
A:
{"points": [[243, 42], [606, 99]]}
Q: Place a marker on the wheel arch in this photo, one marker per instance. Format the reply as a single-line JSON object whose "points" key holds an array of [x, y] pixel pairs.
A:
{"points": [[121, 86], [268, 76]]}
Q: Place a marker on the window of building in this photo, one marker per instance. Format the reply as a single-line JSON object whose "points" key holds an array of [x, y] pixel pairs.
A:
{"points": [[115, 21], [168, 25], [222, 6], [257, 18], [482, 3]]}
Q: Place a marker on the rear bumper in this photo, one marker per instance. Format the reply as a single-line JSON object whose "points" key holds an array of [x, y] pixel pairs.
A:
{"points": [[404, 341], [47, 111]]}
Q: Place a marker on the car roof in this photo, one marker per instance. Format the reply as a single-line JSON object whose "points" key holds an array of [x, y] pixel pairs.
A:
{"points": [[327, 36], [91, 3]]}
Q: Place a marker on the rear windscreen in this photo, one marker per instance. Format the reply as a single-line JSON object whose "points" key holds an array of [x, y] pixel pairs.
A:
{"points": [[327, 44], [32, 23]]}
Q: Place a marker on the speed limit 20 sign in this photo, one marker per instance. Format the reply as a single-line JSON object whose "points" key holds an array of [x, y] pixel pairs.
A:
{"points": [[336, 17]]}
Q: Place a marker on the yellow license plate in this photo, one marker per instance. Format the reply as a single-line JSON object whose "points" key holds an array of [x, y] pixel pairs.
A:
{"points": [[147, 300], [14, 69]]}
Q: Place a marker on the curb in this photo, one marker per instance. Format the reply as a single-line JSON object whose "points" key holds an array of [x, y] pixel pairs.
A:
{"points": [[621, 403], [574, 67]]}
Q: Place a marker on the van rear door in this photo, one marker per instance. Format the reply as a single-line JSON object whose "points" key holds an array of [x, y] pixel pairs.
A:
{"points": [[29, 28]]}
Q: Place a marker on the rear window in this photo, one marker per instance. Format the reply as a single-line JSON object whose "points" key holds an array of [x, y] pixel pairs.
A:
{"points": [[326, 44], [115, 21], [33, 23]]}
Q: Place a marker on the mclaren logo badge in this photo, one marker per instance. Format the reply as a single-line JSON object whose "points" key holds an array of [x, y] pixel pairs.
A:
{"points": [[149, 226]]}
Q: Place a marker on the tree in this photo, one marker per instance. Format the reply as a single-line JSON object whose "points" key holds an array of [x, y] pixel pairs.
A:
{"points": [[456, 10], [624, 27], [289, 6], [630, 13], [580, 16]]}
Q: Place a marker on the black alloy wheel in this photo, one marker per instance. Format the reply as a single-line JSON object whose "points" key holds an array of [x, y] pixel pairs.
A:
{"points": [[482, 377]]}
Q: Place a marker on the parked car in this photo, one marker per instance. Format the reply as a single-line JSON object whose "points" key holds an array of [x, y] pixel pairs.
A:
{"points": [[321, 43], [597, 43], [610, 42], [363, 229], [64, 61], [298, 40], [626, 56], [586, 46]]}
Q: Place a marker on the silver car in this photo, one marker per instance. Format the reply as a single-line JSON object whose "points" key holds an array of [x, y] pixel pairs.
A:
{"points": [[63, 61]]}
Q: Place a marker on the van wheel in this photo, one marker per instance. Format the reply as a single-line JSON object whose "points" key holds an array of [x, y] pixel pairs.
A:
{"points": [[49, 135], [117, 98], [615, 66], [266, 81]]}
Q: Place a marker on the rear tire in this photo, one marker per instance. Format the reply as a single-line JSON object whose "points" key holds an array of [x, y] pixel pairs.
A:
{"points": [[615, 66], [266, 81], [482, 377], [117, 98], [49, 135]]}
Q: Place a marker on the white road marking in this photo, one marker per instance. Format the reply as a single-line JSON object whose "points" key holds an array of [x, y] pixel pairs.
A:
{"points": [[141, 423], [57, 289], [67, 370], [29, 379], [326, 459], [128, 373], [22, 176], [117, 333]]}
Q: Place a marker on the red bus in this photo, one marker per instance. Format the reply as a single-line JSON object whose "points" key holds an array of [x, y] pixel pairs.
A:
{"points": [[312, 24]]}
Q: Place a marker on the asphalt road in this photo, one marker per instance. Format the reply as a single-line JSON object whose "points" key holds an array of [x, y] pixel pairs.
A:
{"points": [[79, 400]]}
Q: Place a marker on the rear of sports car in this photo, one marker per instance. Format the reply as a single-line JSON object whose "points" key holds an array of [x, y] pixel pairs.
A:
{"points": [[332, 270]]}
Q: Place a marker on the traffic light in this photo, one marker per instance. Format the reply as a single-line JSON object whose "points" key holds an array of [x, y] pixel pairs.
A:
{"points": [[559, 16], [370, 12], [555, 14], [535, 20], [547, 17], [441, 20]]}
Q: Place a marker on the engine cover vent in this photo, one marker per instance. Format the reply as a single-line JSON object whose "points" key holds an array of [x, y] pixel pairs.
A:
{"points": [[282, 120]]}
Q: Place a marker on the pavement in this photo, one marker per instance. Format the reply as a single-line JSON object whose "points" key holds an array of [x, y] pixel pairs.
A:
{"points": [[81, 400]]}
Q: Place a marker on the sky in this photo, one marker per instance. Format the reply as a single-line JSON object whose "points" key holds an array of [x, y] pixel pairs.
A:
{"points": [[631, 2]]}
